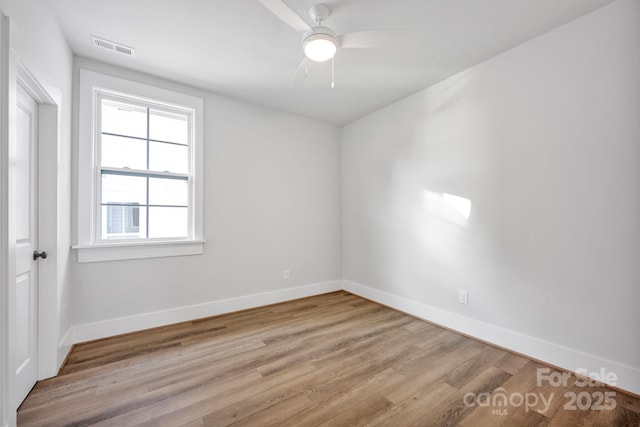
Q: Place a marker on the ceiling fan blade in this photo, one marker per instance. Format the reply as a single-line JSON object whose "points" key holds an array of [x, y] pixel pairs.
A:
{"points": [[301, 73], [371, 39], [284, 12]]}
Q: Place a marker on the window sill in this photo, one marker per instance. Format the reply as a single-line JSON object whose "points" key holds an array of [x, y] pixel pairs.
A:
{"points": [[127, 251]]}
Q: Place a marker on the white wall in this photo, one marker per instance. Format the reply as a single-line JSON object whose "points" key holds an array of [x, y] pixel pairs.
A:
{"points": [[272, 201], [544, 141]]}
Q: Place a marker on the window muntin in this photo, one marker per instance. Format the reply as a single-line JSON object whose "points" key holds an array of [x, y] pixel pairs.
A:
{"points": [[144, 169]]}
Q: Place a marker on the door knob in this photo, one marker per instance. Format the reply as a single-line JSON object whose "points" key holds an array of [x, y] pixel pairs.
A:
{"points": [[37, 255]]}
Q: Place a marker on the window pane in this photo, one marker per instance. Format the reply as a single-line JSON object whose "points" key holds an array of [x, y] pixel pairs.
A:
{"points": [[168, 157], [124, 222], [124, 119], [124, 189], [170, 127], [168, 222], [174, 192], [118, 152]]}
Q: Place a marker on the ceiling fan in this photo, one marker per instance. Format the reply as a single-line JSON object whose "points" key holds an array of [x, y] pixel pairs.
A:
{"points": [[320, 43]]}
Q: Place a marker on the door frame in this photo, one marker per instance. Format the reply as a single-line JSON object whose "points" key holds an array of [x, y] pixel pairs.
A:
{"points": [[13, 72], [7, 257], [48, 316]]}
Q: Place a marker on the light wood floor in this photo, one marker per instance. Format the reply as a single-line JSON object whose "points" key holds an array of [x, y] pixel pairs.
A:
{"points": [[334, 359]]}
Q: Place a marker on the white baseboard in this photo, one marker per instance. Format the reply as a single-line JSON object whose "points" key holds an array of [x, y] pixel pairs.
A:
{"points": [[67, 339], [628, 377], [64, 347], [123, 325]]}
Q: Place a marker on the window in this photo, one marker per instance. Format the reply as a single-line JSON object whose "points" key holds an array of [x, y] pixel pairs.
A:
{"points": [[140, 171], [144, 170]]}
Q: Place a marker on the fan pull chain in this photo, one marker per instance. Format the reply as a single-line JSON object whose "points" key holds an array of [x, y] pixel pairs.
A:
{"points": [[306, 66], [333, 73]]}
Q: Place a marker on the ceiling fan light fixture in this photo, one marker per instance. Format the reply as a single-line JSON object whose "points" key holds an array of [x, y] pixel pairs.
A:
{"points": [[320, 45]]}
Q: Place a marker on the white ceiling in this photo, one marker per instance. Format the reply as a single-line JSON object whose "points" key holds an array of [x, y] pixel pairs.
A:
{"points": [[238, 48]]}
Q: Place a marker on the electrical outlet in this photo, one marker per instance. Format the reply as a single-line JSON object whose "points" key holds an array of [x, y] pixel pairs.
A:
{"points": [[463, 297], [286, 275]]}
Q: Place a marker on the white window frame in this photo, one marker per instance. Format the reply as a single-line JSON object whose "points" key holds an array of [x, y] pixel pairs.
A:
{"points": [[89, 245]]}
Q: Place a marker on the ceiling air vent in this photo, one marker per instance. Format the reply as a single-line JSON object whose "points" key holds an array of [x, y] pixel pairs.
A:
{"points": [[113, 46]]}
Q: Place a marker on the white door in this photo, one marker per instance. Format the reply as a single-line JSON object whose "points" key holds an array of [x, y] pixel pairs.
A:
{"points": [[26, 304]]}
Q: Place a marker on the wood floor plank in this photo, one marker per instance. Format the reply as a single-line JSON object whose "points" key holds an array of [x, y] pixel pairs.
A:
{"points": [[521, 417], [453, 410], [426, 399], [332, 360], [553, 395], [515, 391], [473, 366], [511, 363], [623, 417], [274, 415], [428, 368], [153, 413]]}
